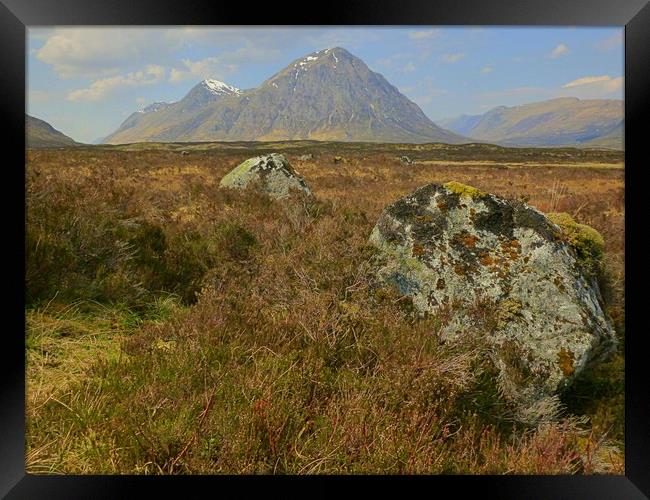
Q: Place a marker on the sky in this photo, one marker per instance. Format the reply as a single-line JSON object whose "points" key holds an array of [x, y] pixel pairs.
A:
{"points": [[85, 81]]}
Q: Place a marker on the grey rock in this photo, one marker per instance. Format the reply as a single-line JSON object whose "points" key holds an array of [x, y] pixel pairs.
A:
{"points": [[271, 173], [452, 247], [406, 160], [306, 157]]}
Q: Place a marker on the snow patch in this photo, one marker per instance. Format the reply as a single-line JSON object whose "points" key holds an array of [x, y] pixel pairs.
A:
{"points": [[154, 107], [217, 87]]}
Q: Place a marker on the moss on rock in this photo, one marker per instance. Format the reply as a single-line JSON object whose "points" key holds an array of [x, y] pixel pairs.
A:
{"points": [[453, 244], [587, 242], [270, 173], [463, 189]]}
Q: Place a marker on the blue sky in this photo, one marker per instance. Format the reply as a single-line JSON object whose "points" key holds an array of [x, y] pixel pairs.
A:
{"points": [[86, 81]]}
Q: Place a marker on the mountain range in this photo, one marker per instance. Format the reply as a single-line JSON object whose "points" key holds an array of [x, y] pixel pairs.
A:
{"points": [[326, 95], [333, 95], [566, 121], [40, 134]]}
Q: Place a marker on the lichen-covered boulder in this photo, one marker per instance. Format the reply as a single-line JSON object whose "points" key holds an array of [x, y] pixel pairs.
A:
{"points": [[451, 248], [271, 173]]}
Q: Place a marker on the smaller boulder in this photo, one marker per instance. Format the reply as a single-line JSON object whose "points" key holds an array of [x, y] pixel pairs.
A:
{"points": [[306, 157], [271, 173], [405, 160], [338, 159]]}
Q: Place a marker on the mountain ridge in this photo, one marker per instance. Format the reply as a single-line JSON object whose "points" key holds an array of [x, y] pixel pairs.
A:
{"points": [[563, 121], [40, 134], [326, 95]]}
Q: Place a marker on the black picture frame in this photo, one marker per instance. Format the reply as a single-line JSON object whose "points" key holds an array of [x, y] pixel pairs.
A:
{"points": [[16, 15]]}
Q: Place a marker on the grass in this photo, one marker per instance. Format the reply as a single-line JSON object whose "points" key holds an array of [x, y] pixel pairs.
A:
{"points": [[176, 328]]}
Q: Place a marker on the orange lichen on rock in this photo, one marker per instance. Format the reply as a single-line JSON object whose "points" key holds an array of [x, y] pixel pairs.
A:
{"points": [[467, 239], [486, 259], [565, 361], [418, 249]]}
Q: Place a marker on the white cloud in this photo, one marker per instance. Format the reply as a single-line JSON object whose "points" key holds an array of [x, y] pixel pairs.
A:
{"points": [[424, 34], [594, 87], [589, 87], [96, 52], [103, 88], [410, 67], [210, 67], [452, 58], [604, 82], [559, 51], [487, 69], [101, 52]]}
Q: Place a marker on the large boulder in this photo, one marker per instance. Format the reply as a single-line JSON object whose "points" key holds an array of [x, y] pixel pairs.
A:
{"points": [[456, 251], [271, 173]]}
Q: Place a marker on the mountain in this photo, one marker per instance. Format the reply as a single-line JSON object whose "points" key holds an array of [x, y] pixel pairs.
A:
{"points": [[99, 140], [615, 139], [566, 121], [40, 134], [135, 118], [327, 95], [461, 124]]}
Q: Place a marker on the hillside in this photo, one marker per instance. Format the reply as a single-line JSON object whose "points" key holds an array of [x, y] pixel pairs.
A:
{"points": [[566, 121], [327, 95], [40, 134]]}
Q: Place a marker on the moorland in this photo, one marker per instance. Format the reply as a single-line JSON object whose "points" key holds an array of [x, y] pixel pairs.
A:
{"points": [[176, 327]]}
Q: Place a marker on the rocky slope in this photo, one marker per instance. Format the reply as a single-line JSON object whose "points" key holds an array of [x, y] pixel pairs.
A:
{"points": [[327, 95]]}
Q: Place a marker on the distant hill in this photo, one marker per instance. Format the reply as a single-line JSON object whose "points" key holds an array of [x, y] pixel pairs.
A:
{"points": [[566, 121], [326, 95], [40, 134], [615, 139]]}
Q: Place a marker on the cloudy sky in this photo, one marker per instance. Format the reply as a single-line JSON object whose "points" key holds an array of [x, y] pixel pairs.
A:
{"points": [[86, 81]]}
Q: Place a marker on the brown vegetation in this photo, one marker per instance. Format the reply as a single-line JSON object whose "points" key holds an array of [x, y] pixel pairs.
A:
{"points": [[174, 327]]}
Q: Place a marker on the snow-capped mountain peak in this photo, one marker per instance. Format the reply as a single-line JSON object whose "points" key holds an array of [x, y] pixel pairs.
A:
{"points": [[218, 87]]}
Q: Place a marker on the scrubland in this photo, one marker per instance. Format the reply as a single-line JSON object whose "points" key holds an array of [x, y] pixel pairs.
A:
{"points": [[177, 328]]}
